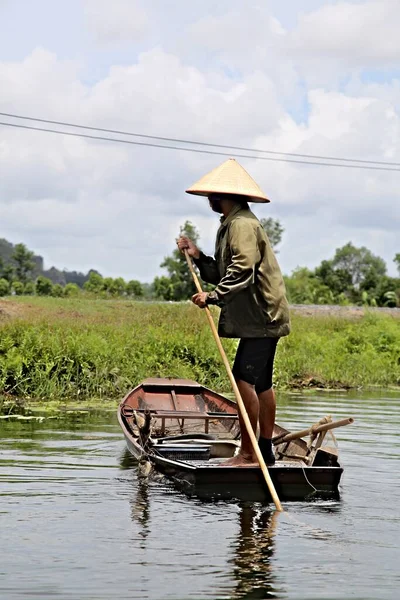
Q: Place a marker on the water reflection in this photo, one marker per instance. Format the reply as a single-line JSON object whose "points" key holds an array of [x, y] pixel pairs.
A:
{"points": [[140, 502], [252, 569], [252, 566], [79, 484], [127, 460], [140, 507]]}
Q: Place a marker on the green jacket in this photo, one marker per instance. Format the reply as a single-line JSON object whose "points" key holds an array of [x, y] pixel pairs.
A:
{"points": [[249, 284]]}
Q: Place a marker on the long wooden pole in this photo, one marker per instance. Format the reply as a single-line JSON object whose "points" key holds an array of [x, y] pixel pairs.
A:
{"points": [[238, 396]]}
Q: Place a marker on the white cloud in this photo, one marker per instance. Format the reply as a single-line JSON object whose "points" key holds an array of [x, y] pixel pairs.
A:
{"points": [[118, 208], [242, 42], [52, 180], [237, 31], [358, 34], [116, 21]]}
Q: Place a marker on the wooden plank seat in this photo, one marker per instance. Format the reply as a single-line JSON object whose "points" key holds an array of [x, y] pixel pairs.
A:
{"points": [[180, 416], [127, 411]]}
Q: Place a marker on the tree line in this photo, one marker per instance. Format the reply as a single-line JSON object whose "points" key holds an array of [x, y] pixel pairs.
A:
{"points": [[7, 250], [16, 277], [353, 276]]}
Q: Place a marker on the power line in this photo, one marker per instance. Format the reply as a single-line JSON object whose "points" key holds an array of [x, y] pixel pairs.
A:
{"points": [[197, 150], [197, 143]]}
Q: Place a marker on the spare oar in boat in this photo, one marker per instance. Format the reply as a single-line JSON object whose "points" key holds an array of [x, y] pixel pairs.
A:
{"points": [[238, 396], [288, 437]]}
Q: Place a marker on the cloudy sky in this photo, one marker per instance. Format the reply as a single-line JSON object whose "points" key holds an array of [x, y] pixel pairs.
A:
{"points": [[315, 77]]}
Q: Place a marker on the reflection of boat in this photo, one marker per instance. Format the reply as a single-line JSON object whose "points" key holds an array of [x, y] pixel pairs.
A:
{"points": [[140, 505], [186, 431]]}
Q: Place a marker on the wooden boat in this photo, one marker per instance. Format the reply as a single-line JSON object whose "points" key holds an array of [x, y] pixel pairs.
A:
{"points": [[187, 431]]}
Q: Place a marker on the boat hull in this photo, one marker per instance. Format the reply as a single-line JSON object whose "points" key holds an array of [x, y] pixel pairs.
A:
{"points": [[248, 483], [217, 482], [210, 479]]}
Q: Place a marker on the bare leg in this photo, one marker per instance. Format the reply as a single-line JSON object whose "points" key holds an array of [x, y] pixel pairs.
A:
{"points": [[267, 413], [267, 421], [246, 455]]}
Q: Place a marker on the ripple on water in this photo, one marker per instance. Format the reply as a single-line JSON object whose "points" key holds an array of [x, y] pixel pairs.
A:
{"points": [[76, 523]]}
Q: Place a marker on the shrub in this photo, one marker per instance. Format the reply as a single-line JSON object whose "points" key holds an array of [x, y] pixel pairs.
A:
{"points": [[57, 291], [91, 348], [44, 286], [18, 288], [4, 287], [71, 290], [29, 288]]}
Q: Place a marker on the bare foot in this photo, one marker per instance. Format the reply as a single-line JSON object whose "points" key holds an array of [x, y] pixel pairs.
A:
{"points": [[240, 461]]}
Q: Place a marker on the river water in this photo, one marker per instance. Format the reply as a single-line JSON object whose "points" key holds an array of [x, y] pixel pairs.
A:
{"points": [[77, 523]]}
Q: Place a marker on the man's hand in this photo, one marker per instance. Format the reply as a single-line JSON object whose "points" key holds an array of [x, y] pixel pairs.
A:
{"points": [[185, 243], [200, 299]]}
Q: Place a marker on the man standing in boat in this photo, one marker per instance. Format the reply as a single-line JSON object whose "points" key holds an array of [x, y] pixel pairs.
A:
{"points": [[250, 292]]}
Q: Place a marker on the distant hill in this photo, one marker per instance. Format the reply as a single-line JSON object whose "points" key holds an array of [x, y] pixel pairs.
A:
{"points": [[54, 274]]}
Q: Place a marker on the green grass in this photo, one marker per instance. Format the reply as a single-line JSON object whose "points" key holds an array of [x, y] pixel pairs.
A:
{"points": [[341, 352], [78, 349]]}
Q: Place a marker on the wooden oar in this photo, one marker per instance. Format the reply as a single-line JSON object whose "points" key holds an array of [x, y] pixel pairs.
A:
{"points": [[238, 396], [288, 437]]}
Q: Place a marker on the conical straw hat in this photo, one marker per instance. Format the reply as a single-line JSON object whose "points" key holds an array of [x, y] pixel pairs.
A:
{"points": [[228, 178]]}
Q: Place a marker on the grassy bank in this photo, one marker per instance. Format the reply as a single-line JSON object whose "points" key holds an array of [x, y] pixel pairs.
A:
{"points": [[80, 349]]}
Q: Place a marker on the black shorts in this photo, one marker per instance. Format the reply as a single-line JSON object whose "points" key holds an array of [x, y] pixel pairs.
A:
{"points": [[254, 362]]}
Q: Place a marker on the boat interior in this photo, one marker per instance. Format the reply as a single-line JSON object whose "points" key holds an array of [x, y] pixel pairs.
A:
{"points": [[183, 421]]}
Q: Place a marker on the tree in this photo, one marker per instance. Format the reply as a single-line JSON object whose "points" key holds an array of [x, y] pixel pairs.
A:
{"points": [[274, 231], [24, 262], [29, 288], [163, 288], [391, 299], [114, 287], [336, 279], [387, 292], [44, 286], [4, 287], [303, 287], [351, 272], [397, 261], [57, 290], [363, 267], [180, 284], [6, 271], [95, 283], [18, 288], [134, 288], [71, 290]]}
